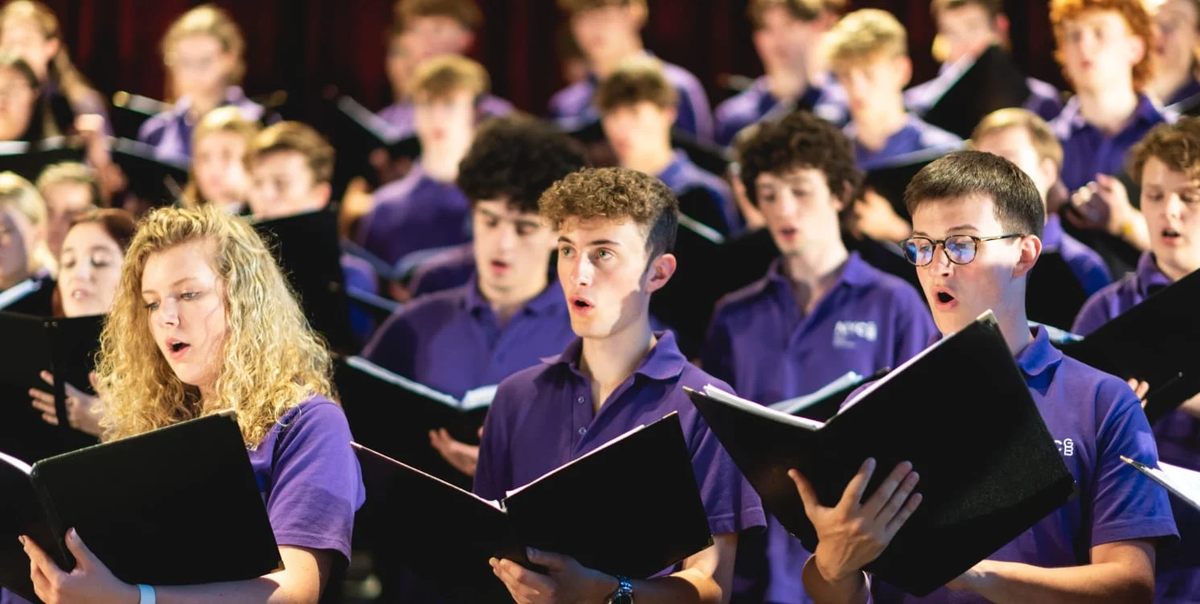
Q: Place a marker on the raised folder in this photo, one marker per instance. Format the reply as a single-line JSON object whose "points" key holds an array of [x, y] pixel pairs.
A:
{"points": [[64, 347], [991, 82], [394, 415], [960, 411], [826, 400], [1155, 342], [176, 506], [630, 507]]}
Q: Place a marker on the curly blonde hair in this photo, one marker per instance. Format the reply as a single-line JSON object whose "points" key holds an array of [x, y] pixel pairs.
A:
{"points": [[272, 359]]}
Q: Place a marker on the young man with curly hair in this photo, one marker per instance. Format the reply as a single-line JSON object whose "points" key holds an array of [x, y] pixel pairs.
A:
{"points": [[616, 228], [819, 312]]}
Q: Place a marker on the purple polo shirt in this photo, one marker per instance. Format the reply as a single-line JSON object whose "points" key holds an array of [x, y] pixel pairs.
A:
{"points": [[170, 133], [446, 269], [572, 106], [753, 104], [1177, 433], [542, 418], [761, 343], [452, 341], [1094, 419], [313, 487], [916, 135], [400, 115], [359, 274], [1087, 266], [1190, 89], [1088, 151], [682, 175], [413, 214]]}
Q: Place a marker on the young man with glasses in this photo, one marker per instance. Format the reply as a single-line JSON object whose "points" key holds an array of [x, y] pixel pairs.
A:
{"points": [[819, 312], [977, 220]]}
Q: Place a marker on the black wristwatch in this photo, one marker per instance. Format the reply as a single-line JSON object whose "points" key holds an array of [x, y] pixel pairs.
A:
{"points": [[624, 593]]}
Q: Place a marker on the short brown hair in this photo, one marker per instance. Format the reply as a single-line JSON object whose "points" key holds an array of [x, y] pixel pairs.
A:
{"points": [[1040, 134], [866, 34], [1176, 145], [616, 194], [994, 8], [636, 80], [804, 10], [801, 140], [1017, 201], [1136, 16], [443, 76], [575, 7], [465, 12], [73, 173], [118, 223], [298, 137]]}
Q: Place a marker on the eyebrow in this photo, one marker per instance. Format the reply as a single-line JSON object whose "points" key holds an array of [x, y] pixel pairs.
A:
{"points": [[150, 291], [564, 239]]}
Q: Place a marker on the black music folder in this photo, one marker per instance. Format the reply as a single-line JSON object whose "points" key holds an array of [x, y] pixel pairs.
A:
{"points": [[64, 347], [991, 83], [960, 411], [825, 402], [394, 415], [33, 296], [451, 533], [1154, 342], [307, 249], [130, 111], [158, 180], [176, 506], [891, 179], [29, 159]]}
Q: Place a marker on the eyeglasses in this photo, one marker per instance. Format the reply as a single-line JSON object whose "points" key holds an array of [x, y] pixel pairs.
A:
{"points": [[960, 249]]}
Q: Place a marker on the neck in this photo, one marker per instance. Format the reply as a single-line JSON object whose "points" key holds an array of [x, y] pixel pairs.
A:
{"points": [[873, 130], [1014, 325], [1109, 109], [604, 66], [1174, 273], [651, 161], [203, 103], [814, 270], [508, 302], [1164, 86], [611, 360], [787, 83], [441, 161]]}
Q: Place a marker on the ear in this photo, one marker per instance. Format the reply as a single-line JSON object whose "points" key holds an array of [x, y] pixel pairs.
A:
{"points": [[53, 45], [904, 71], [660, 272], [1002, 25], [671, 114], [1137, 49], [321, 194], [1049, 173], [465, 42], [1031, 250], [841, 203], [638, 13]]}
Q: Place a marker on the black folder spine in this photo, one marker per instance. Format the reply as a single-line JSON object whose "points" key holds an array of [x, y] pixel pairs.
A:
{"points": [[57, 550]]}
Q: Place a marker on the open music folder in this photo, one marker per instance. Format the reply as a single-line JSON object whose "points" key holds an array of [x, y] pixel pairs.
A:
{"points": [[630, 507], [960, 411], [176, 506], [1154, 342]]}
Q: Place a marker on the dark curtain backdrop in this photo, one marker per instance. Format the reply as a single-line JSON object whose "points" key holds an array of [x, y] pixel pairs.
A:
{"points": [[304, 46]]}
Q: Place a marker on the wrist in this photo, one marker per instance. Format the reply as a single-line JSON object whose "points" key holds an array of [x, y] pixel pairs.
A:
{"points": [[833, 574], [604, 587]]}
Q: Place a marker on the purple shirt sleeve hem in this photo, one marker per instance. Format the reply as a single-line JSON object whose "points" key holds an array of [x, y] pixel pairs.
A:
{"points": [[1135, 529], [313, 541], [735, 523]]}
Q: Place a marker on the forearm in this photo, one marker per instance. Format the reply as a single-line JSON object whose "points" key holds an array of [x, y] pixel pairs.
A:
{"points": [[1134, 231], [262, 590], [688, 586], [1010, 582], [851, 590], [1192, 406]]}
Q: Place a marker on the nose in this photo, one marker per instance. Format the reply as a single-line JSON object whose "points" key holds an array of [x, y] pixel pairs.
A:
{"points": [[1174, 206], [83, 271], [508, 237], [940, 265], [168, 313], [581, 271]]}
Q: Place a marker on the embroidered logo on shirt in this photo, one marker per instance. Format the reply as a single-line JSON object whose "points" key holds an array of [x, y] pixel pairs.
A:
{"points": [[845, 333], [1066, 447]]}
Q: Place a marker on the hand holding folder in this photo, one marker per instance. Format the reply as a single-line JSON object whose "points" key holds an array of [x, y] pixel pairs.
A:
{"points": [[176, 506], [959, 412]]}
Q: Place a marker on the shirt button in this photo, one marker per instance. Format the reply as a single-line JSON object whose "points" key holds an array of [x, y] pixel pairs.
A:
{"points": [[580, 400], [582, 431]]}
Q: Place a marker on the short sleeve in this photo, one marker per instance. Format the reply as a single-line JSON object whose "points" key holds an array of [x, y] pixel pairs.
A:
{"points": [[316, 483], [1126, 504], [1093, 314], [731, 503], [493, 475], [393, 346], [151, 132], [716, 357]]}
